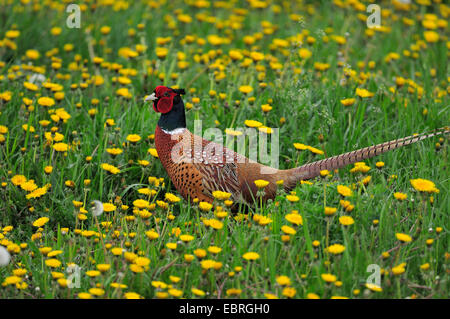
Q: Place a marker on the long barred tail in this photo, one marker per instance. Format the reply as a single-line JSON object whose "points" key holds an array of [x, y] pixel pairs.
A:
{"points": [[313, 169]]}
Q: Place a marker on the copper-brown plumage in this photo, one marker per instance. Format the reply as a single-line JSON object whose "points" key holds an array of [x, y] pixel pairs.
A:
{"points": [[198, 167]]}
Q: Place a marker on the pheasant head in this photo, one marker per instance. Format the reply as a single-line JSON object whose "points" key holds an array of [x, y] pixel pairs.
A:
{"points": [[169, 103]]}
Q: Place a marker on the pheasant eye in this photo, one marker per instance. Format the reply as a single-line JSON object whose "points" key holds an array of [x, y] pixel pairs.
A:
{"points": [[166, 94]]}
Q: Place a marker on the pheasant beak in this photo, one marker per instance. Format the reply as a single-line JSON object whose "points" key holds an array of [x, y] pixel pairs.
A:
{"points": [[151, 97]]}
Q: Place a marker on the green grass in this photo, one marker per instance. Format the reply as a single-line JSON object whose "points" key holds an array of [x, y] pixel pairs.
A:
{"points": [[309, 102]]}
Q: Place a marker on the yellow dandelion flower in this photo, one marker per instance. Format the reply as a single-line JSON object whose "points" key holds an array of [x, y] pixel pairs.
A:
{"points": [[60, 147], [330, 210], [292, 198], [132, 295], [46, 101], [245, 89], [133, 138], [207, 264], [172, 198], [117, 251], [219, 195], [18, 180], [53, 263], [425, 266], [200, 253], [142, 261], [214, 249], [399, 269], [103, 267], [283, 280], [261, 183], [250, 256], [108, 207], [252, 123], [233, 292], [41, 222], [92, 273], [141, 203], [424, 185], [374, 287], [187, 238], [431, 36], [344, 191], [151, 234], [336, 249], [289, 292], [400, 196], [348, 102], [198, 292], [328, 278], [346, 220], [171, 246], [97, 292], [205, 206], [379, 164], [54, 253], [30, 128], [84, 295], [288, 230], [153, 152], [11, 280], [364, 93], [403, 237], [266, 108], [304, 53]]}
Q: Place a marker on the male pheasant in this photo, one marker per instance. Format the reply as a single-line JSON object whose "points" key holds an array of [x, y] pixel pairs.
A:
{"points": [[198, 167]]}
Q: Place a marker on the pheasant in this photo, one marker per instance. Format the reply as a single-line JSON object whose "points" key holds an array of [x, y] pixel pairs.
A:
{"points": [[198, 167]]}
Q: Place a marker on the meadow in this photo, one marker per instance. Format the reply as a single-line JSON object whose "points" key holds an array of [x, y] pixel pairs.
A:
{"points": [[74, 129]]}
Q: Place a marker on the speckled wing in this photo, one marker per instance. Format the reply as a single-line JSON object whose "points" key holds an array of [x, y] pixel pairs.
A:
{"points": [[217, 166], [198, 167]]}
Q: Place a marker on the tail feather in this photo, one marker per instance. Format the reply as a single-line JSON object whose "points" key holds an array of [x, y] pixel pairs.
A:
{"points": [[313, 169]]}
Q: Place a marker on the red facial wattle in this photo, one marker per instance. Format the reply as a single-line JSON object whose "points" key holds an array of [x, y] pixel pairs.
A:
{"points": [[165, 96]]}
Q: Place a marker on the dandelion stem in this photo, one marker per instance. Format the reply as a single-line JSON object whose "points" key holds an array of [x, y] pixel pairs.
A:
{"points": [[101, 235]]}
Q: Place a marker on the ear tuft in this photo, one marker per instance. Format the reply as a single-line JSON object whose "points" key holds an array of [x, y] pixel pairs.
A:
{"points": [[180, 91]]}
